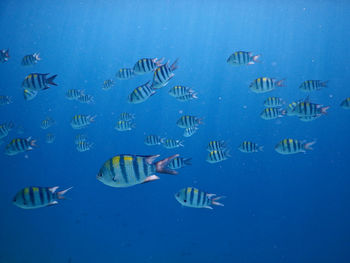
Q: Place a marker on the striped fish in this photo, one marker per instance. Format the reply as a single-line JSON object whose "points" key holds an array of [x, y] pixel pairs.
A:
{"points": [[179, 162], [4, 100], [311, 85], [125, 116], [80, 138], [84, 146], [272, 113], [290, 108], [218, 156], [180, 91], [273, 102], [171, 143], [19, 145], [29, 94], [125, 126], [188, 132], [146, 65], [4, 55], [163, 74], [37, 81], [85, 98], [263, 84], [307, 109], [216, 146], [74, 94], [345, 104], [250, 147], [81, 121], [292, 146], [47, 123], [108, 84], [50, 138], [187, 97], [31, 59], [5, 128], [127, 170], [141, 93], [36, 197], [195, 198], [243, 58], [125, 73], [188, 121], [152, 140]]}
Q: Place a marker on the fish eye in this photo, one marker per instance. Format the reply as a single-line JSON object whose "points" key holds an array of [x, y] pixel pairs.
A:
{"points": [[185, 201]]}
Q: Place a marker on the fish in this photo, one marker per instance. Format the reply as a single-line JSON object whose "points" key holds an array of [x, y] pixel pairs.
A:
{"points": [[290, 108], [126, 116], [188, 132], [292, 146], [163, 74], [180, 91], [216, 146], [273, 102], [108, 84], [218, 156], [152, 140], [37, 81], [125, 126], [172, 143], [84, 146], [36, 197], [5, 128], [187, 97], [146, 65], [345, 104], [250, 147], [127, 170], [19, 145], [80, 138], [141, 93], [264, 84], [125, 73], [307, 109], [195, 198], [243, 58], [74, 94], [311, 85], [31, 59], [179, 162], [47, 123], [50, 138], [4, 55], [272, 113], [4, 100], [85, 98], [29, 94], [81, 121], [187, 121]]}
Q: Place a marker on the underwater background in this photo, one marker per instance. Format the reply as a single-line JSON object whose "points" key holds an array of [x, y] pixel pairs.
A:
{"points": [[278, 208]]}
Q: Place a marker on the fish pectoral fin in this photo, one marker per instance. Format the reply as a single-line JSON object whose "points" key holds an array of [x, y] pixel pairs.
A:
{"points": [[150, 179], [53, 203], [209, 207]]}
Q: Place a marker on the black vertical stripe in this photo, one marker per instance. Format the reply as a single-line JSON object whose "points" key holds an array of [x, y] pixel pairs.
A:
{"points": [[41, 194], [23, 197], [48, 195], [191, 196], [136, 167], [123, 168], [31, 195], [199, 197]]}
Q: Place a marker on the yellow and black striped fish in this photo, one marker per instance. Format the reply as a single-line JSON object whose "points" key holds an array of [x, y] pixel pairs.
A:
{"points": [[272, 113], [47, 123], [292, 146], [273, 102], [163, 74], [127, 170], [195, 198], [218, 156], [311, 85], [126, 116], [85, 98], [188, 121], [125, 126], [243, 58], [250, 147], [180, 91], [152, 140], [188, 132], [146, 65], [216, 146], [35, 197], [172, 143], [307, 109], [29, 94], [31, 59], [179, 162], [141, 93], [19, 145], [345, 104], [4, 100], [81, 121], [125, 73], [264, 84], [108, 84], [74, 94], [84, 146], [5, 128], [37, 81]]}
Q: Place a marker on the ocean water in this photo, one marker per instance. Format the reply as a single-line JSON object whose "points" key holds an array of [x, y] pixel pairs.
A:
{"points": [[278, 208]]}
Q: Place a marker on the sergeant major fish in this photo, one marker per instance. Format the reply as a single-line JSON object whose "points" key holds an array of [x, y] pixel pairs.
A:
{"points": [[152, 140], [31, 59], [5, 128], [179, 162], [125, 126], [188, 132], [171, 143], [4, 55], [263, 84], [163, 74], [195, 198], [180, 91], [243, 58], [74, 94], [85, 98], [108, 84], [47, 123], [126, 116], [81, 121], [125, 73], [272, 113], [273, 102], [250, 147], [216, 146], [37, 81], [306, 109], [146, 65], [4, 100], [187, 97], [84, 146], [292, 146], [311, 85], [19, 145], [29, 94], [218, 156], [141, 93], [188, 121]]}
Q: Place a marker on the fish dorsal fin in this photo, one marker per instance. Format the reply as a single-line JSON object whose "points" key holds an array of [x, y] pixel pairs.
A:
{"points": [[53, 189], [150, 159]]}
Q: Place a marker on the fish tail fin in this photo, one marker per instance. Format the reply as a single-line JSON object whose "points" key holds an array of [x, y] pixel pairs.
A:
{"points": [[324, 83], [174, 66], [227, 152], [181, 143], [195, 95], [280, 83], [37, 56], [92, 118], [261, 148], [159, 62], [51, 79], [133, 125], [161, 166], [256, 58], [188, 161], [60, 195], [307, 146], [324, 110], [215, 199]]}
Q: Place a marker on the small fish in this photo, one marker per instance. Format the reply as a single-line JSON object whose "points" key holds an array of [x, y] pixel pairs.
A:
{"points": [[84, 146], [216, 146], [171, 143], [88, 99], [37, 81], [146, 65], [125, 116], [307, 109], [272, 113], [50, 138], [74, 94], [141, 93], [125, 73], [179, 162], [309, 118], [218, 156], [80, 138], [19, 145], [125, 126], [5, 128], [290, 108], [188, 132], [187, 97], [311, 85], [108, 84], [195, 198], [188, 121], [126, 170], [250, 147], [163, 74], [152, 140], [37, 197], [180, 91], [345, 104], [81, 121], [292, 146], [29, 94], [243, 58], [4, 55], [273, 102], [47, 123], [31, 59], [4, 100], [263, 84]]}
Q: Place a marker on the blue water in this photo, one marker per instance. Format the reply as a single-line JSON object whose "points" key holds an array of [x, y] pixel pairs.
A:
{"points": [[277, 209]]}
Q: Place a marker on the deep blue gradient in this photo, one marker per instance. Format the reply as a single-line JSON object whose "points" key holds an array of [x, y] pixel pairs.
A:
{"points": [[278, 208]]}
